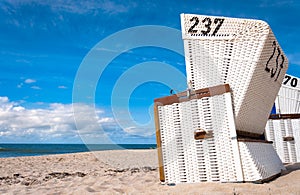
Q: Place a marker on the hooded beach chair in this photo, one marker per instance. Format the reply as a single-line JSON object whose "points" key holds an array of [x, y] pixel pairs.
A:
{"points": [[283, 127], [230, 125]]}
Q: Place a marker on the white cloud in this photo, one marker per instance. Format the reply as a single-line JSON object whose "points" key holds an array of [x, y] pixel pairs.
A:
{"points": [[294, 58], [28, 81], [58, 122], [62, 87], [141, 131], [81, 7], [106, 120], [23, 61], [4, 100], [279, 4], [5, 104], [18, 108], [35, 87], [52, 123], [20, 85]]}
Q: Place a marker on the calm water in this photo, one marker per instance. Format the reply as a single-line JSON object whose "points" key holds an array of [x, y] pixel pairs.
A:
{"points": [[14, 150]]}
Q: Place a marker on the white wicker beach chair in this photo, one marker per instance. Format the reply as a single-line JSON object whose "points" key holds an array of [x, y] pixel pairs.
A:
{"points": [[288, 98], [197, 141], [241, 52], [196, 137], [284, 131], [283, 128]]}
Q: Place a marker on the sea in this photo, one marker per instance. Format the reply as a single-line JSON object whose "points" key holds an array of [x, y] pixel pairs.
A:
{"points": [[17, 150]]}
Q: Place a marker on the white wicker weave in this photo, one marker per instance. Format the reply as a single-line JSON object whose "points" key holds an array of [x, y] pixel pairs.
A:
{"points": [[279, 131], [259, 161], [186, 159], [241, 52], [288, 98]]}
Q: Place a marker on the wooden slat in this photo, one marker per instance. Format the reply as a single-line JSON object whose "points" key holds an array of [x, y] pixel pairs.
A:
{"points": [[245, 134], [197, 94], [254, 140], [284, 116], [158, 142], [288, 138]]}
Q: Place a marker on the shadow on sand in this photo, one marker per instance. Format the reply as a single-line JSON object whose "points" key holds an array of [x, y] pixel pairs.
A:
{"points": [[290, 167]]}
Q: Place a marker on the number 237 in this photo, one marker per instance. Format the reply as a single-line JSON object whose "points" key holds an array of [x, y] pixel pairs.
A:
{"points": [[208, 25]]}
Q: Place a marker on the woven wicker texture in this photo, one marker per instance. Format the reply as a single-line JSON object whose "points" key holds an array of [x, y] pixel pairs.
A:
{"points": [[186, 159], [288, 98], [259, 161], [285, 134], [241, 52]]}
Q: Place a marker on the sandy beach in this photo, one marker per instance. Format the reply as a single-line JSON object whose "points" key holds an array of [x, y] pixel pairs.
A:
{"points": [[118, 172]]}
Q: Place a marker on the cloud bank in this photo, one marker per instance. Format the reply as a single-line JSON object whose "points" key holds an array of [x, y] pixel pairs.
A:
{"points": [[52, 124], [56, 123]]}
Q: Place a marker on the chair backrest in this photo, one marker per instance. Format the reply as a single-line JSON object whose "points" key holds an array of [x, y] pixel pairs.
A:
{"points": [[241, 52]]}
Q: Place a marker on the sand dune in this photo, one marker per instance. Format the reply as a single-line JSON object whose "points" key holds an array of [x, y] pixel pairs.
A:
{"points": [[118, 172]]}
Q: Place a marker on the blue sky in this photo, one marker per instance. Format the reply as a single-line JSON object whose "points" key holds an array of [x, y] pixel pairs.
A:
{"points": [[44, 43]]}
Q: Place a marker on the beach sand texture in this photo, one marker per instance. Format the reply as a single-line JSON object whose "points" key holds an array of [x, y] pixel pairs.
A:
{"points": [[118, 172]]}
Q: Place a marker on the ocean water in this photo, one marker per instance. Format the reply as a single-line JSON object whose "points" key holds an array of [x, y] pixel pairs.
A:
{"points": [[15, 150]]}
